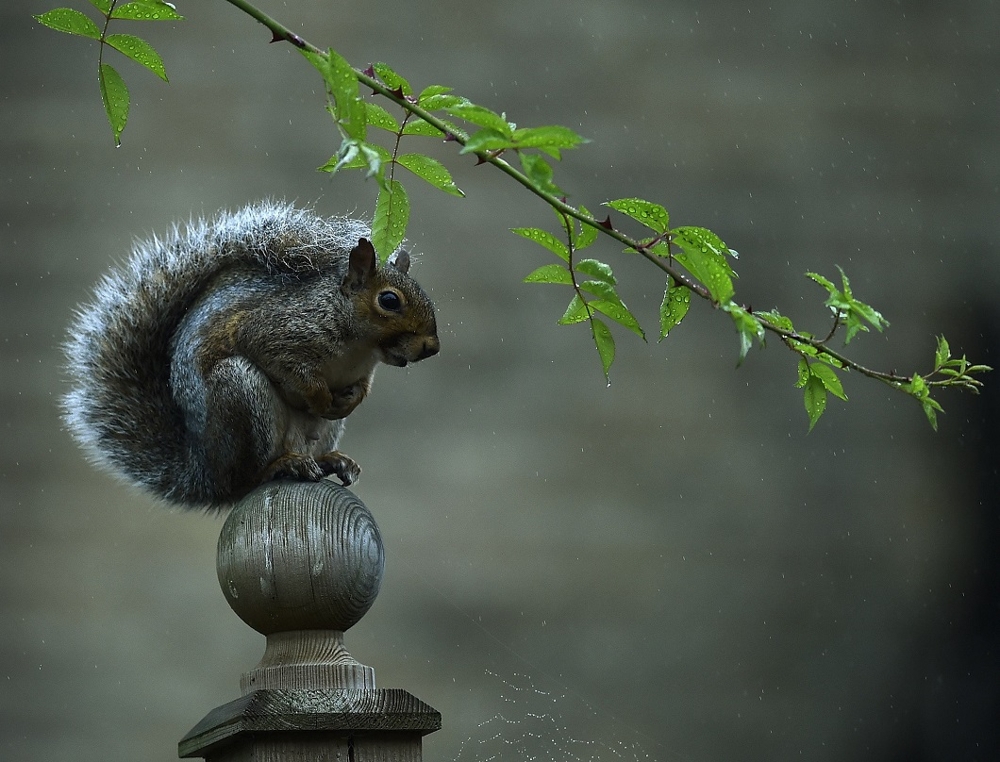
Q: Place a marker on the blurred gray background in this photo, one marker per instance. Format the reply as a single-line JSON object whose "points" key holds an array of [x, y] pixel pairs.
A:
{"points": [[669, 568]]}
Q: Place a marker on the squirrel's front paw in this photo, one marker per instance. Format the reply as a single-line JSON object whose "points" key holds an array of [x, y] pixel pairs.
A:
{"points": [[342, 466], [345, 400], [293, 465]]}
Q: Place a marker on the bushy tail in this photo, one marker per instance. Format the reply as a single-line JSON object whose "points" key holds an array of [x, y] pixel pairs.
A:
{"points": [[120, 407]]}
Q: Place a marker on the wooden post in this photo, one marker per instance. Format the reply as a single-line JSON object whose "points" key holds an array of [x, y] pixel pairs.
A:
{"points": [[301, 562]]}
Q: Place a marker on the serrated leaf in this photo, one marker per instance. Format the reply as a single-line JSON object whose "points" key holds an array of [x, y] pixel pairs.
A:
{"points": [[707, 241], [776, 319], [617, 311], [438, 101], [814, 398], [391, 79], [552, 139], [823, 282], [342, 84], [546, 239], [576, 312], [588, 234], [354, 154], [540, 173], [550, 274], [600, 289], [114, 94], [480, 115], [432, 90], [804, 373], [931, 409], [417, 126], [673, 308], [146, 10], [486, 139], [70, 21], [596, 269], [139, 51], [829, 379], [604, 342], [748, 327], [392, 213], [377, 116], [431, 170], [653, 216], [703, 254]]}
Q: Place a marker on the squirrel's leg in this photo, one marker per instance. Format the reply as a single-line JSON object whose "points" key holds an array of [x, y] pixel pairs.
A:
{"points": [[235, 415]]}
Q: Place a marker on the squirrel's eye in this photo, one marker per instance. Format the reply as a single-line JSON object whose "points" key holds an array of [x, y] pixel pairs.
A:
{"points": [[390, 301]]}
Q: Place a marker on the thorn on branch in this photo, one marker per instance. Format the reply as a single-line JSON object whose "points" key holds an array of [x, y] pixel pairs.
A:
{"points": [[291, 37], [606, 223]]}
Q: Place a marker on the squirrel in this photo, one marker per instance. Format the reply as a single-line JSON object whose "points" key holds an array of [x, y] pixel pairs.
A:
{"points": [[228, 353]]}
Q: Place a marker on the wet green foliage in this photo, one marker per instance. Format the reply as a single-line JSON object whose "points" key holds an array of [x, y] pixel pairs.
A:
{"points": [[691, 260]]}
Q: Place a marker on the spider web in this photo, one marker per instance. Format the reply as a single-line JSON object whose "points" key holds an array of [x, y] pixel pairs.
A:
{"points": [[535, 725]]}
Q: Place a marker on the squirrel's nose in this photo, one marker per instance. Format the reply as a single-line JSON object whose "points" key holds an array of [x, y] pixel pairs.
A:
{"points": [[431, 347]]}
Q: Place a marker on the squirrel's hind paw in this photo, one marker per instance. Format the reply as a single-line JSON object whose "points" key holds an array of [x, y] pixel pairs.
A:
{"points": [[342, 466]]}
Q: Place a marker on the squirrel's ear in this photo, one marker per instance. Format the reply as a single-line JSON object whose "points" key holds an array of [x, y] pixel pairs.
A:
{"points": [[401, 260], [360, 267]]}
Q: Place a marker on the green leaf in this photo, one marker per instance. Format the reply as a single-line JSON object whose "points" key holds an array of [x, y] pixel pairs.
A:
{"points": [[430, 170], [377, 116], [552, 139], [392, 213], [824, 283], [596, 269], [391, 79], [70, 21], [550, 274], [673, 308], [439, 101], [653, 216], [146, 10], [432, 90], [600, 289], [342, 84], [482, 116], [139, 51], [588, 234], [749, 328], [703, 255], [814, 398], [921, 391], [576, 311], [804, 373], [417, 126], [851, 313], [355, 154], [604, 342], [540, 173], [617, 311], [776, 319], [943, 352], [104, 6], [707, 242], [546, 239], [829, 379], [486, 139], [114, 94]]}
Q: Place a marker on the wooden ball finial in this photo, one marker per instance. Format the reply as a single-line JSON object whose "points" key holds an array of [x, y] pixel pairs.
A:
{"points": [[301, 562]]}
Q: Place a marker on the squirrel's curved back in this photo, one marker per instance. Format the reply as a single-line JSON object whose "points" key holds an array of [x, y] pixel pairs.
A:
{"points": [[120, 407]]}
